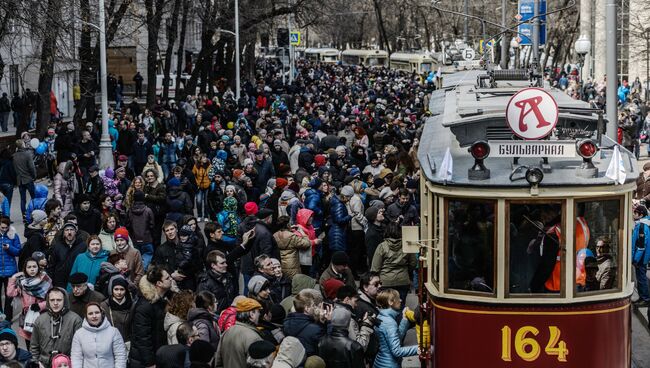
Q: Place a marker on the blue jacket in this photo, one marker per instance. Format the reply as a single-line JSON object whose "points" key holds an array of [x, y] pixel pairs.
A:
{"points": [[636, 252], [38, 203], [314, 202], [8, 256], [89, 265], [390, 337], [4, 207], [265, 172], [339, 220], [305, 329]]}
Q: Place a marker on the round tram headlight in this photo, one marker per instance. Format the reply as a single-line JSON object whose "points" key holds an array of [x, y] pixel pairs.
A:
{"points": [[587, 148], [480, 150], [534, 176]]}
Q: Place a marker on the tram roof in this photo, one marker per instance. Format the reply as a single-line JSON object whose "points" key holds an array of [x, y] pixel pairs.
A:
{"points": [[463, 114]]}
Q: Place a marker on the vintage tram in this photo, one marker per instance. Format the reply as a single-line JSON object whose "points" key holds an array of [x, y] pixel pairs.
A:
{"points": [[524, 240]]}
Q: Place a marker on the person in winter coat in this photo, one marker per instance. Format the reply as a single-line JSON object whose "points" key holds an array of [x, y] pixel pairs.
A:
{"points": [[9, 350], [54, 330], [290, 241], [37, 203], [25, 173], [393, 265], [155, 197], [35, 238], [228, 316], [90, 261], [153, 165], [304, 324], [118, 307], [233, 349], [337, 348], [375, 231], [390, 333], [9, 250], [218, 281], [263, 243], [204, 319], [147, 331], [313, 201], [304, 227], [107, 234], [229, 220], [176, 313], [174, 192], [339, 220], [64, 186], [264, 170], [641, 252], [339, 269], [290, 354], [141, 222], [89, 219], [97, 343], [200, 171], [31, 284]]}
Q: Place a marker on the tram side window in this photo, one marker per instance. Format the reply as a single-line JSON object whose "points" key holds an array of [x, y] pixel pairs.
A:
{"points": [[471, 245], [597, 245], [534, 248]]}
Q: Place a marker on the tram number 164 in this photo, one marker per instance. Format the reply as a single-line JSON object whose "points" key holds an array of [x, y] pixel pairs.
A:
{"points": [[527, 348]]}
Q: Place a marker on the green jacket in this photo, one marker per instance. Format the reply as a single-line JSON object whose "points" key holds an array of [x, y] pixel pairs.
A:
{"points": [[392, 264]]}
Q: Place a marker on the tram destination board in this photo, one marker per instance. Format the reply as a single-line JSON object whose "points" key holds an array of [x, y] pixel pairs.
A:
{"points": [[506, 148]]}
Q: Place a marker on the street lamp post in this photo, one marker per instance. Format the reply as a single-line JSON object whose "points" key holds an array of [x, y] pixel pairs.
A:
{"points": [[646, 34], [237, 71], [105, 147], [582, 47]]}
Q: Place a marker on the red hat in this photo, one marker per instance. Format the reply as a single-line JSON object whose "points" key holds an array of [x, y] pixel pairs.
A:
{"points": [[121, 232], [122, 158], [251, 208], [331, 286], [281, 183], [320, 160]]}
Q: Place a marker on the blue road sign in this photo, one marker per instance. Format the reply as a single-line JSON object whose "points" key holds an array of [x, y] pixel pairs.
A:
{"points": [[526, 11]]}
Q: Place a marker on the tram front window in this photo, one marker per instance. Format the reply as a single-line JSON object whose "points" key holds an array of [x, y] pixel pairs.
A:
{"points": [[596, 245], [471, 245], [534, 248]]}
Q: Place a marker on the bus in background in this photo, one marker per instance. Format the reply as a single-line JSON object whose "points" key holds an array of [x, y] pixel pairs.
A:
{"points": [[368, 58], [412, 62], [323, 55]]}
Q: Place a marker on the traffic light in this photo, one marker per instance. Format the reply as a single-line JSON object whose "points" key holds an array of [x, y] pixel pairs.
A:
{"points": [[283, 37]]}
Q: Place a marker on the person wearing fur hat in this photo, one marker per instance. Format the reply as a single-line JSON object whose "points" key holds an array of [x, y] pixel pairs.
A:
{"points": [[53, 331], [9, 350]]}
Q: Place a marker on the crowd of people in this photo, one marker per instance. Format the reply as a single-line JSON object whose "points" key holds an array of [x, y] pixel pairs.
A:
{"points": [[299, 190]]}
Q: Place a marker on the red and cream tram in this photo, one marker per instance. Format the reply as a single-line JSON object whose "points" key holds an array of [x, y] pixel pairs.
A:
{"points": [[524, 236]]}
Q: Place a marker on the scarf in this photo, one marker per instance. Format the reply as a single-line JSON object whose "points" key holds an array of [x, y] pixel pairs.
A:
{"points": [[125, 305], [36, 286], [232, 223]]}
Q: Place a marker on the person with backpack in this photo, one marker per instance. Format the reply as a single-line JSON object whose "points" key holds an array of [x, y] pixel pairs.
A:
{"points": [[641, 253], [203, 317]]}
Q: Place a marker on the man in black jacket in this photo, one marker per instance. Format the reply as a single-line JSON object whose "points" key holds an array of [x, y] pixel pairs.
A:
{"points": [[65, 251], [337, 349], [218, 280], [263, 243], [148, 332]]}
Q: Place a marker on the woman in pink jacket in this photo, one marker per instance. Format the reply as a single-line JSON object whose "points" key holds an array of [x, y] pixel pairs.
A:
{"points": [[31, 285]]}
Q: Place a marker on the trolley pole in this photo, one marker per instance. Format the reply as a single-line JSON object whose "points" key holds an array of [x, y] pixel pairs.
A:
{"points": [[504, 44], [535, 39], [237, 51], [466, 30], [612, 75]]}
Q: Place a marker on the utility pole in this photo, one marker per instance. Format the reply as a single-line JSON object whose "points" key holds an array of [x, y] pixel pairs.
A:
{"points": [[504, 44], [466, 30], [535, 36], [105, 147], [612, 74], [290, 46], [237, 51]]}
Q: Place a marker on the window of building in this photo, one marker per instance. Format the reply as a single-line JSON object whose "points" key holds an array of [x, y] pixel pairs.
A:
{"points": [[534, 248], [470, 245]]}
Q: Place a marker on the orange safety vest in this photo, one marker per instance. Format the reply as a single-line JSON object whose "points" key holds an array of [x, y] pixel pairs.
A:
{"points": [[553, 283], [582, 240]]}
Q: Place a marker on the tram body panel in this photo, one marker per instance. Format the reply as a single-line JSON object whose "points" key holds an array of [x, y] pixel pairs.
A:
{"points": [[572, 336], [487, 235]]}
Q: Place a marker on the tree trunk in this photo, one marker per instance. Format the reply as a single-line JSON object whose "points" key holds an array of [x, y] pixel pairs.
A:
{"points": [[46, 72], [154, 17], [382, 28], [172, 32], [181, 51]]}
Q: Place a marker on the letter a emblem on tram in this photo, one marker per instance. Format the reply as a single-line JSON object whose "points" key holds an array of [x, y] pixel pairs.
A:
{"points": [[532, 113]]}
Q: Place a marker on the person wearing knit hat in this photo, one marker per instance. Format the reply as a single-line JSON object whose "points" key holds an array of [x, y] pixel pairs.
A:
{"points": [[248, 161], [121, 233], [185, 231], [338, 269], [315, 361], [330, 287], [281, 183], [347, 191], [257, 284], [10, 351], [265, 214], [315, 183], [61, 360], [320, 160], [70, 224], [371, 214], [174, 182], [251, 208], [260, 354], [38, 216], [201, 354], [237, 174]]}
